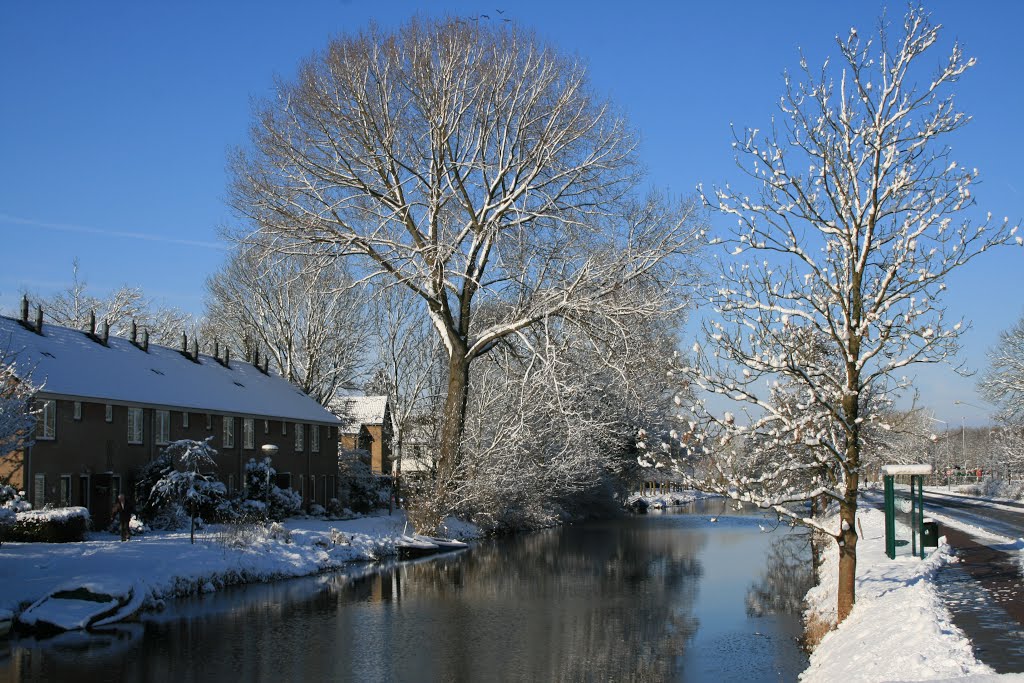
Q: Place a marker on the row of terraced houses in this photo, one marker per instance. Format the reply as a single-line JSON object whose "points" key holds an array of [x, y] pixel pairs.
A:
{"points": [[107, 405]]}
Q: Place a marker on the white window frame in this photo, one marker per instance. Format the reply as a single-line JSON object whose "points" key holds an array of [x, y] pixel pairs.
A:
{"points": [[46, 427], [136, 426], [228, 436], [209, 422], [248, 433], [76, 410], [266, 426], [284, 428], [162, 430], [299, 441], [314, 438], [184, 419], [108, 412]]}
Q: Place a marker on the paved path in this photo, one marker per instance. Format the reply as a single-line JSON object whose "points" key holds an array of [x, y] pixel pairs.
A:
{"points": [[984, 590]]}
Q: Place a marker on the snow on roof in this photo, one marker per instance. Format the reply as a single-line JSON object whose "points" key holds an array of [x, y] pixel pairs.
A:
{"points": [[356, 411], [68, 364]]}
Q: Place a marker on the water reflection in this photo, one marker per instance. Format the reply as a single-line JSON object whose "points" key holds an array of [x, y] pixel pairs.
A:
{"points": [[640, 599]]}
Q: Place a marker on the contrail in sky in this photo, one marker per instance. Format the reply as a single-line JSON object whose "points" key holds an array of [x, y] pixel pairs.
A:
{"points": [[67, 227]]}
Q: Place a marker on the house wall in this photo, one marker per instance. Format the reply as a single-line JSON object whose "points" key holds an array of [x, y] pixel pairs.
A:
{"points": [[90, 460], [376, 441]]}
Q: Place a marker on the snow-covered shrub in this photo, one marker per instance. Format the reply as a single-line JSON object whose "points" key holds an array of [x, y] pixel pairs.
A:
{"points": [[277, 532], [12, 499], [170, 518], [261, 486], [57, 525], [335, 508], [364, 488], [317, 510]]}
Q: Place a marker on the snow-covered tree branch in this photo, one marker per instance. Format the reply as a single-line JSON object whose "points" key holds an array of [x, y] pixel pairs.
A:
{"points": [[836, 265]]}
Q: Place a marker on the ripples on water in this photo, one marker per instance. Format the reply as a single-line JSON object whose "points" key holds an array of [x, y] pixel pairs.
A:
{"points": [[655, 598]]}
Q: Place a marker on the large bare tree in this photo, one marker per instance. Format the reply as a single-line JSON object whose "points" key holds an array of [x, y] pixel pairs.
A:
{"points": [[857, 216], [471, 165]]}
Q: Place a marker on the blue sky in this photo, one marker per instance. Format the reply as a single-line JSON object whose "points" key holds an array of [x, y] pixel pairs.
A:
{"points": [[116, 117]]}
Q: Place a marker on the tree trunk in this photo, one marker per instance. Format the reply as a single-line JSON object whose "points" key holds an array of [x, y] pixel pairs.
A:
{"points": [[848, 550], [453, 421]]}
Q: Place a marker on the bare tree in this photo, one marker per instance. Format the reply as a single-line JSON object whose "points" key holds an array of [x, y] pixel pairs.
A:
{"points": [[471, 165], [856, 220], [75, 307], [303, 313], [408, 354], [1003, 381]]}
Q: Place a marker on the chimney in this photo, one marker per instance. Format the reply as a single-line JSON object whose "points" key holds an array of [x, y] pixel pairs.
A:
{"points": [[135, 333], [92, 323], [227, 357], [266, 366], [39, 320], [145, 341], [24, 309], [195, 349], [216, 349], [184, 343], [256, 357], [106, 332]]}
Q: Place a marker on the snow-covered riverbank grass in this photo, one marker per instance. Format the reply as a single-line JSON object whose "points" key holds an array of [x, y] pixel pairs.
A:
{"points": [[899, 629], [166, 564]]}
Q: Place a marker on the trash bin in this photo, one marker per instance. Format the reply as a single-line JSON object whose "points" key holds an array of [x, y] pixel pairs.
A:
{"points": [[929, 534]]}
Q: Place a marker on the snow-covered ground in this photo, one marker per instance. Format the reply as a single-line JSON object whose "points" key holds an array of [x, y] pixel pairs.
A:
{"points": [[165, 564], [899, 629]]}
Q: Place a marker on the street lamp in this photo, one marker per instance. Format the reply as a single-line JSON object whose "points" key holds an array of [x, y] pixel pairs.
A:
{"points": [[963, 427], [946, 464]]}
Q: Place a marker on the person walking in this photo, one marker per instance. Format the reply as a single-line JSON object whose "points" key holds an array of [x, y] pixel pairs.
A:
{"points": [[123, 512]]}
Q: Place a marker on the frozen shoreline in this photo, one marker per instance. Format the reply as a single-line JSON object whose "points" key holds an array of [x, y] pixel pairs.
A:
{"points": [[163, 565]]}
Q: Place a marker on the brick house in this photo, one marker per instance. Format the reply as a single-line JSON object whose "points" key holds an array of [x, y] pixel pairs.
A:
{"points": [[108, 405], [366, 426]]}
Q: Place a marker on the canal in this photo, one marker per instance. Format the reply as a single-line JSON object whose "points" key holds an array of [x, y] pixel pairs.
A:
{"points": [[662, 597]]}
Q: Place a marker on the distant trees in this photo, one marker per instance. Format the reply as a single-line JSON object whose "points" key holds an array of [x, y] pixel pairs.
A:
{"points": [[303, 312], [472, 166], [73, 306], [855, 220], [1003, 382]]}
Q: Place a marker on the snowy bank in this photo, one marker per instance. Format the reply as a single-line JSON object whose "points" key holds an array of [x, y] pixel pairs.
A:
{"points": [[899, 630], [663, 500], [163, 565]]}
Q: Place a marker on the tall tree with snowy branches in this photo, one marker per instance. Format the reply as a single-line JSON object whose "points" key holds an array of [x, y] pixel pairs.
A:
{"points": [[474, 166], [857, 217]]}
